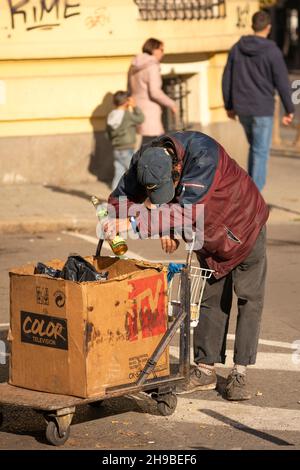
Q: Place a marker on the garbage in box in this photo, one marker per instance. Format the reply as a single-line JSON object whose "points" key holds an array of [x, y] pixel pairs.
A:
{"points": [[76, 268], [81, 338]]}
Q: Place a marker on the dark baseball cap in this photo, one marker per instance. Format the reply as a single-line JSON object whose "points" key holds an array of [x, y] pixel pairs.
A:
{"points": [[154, 172]]}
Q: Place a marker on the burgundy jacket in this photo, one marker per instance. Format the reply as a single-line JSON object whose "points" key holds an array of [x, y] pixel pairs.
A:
{"points": [[234, 210]]}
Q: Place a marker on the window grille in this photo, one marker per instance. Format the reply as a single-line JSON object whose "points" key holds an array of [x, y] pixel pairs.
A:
{"points": [[181, 9], [176, 87]]}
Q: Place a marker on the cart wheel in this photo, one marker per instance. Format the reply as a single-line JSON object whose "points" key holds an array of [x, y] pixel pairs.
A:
{"points": [[96, 404], [166, 404], [53, 436]]}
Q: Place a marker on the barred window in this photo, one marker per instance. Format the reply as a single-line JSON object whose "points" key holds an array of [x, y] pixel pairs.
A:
{"points": [[181, 9]]}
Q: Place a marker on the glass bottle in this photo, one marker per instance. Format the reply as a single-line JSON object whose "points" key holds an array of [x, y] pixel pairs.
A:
{"points": [[117, 244]]}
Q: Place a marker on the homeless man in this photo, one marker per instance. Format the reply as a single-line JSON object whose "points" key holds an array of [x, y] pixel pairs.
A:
{"points": [[189, 167]]}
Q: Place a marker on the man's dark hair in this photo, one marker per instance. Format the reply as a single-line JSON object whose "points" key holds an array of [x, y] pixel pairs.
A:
{"points": [[150, 45], [120, 98], [260, 20]]}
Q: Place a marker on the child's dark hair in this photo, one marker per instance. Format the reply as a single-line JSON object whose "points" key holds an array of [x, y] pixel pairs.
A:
{"points": [[120, 97]]}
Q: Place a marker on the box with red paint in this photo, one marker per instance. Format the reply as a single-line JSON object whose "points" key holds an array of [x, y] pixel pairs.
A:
{"points": [[82, 338]]}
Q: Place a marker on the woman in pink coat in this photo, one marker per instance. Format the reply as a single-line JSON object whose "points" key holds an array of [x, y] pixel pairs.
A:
{"points": [[145, 85]]}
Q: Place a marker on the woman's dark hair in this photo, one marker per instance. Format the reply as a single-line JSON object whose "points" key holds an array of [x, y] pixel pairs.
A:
{"points": [[120, 98], [150, 45]]}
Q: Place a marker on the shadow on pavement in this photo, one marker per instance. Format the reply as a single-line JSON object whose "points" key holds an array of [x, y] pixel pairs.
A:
{"points": [[101, 157], [241, 427], [281, 208], [71, 192], [273, 242]]}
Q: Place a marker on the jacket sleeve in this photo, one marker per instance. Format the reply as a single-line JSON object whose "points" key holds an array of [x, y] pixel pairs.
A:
{"points": [[281, 80], [227, 83], [155, 91], [137, 115]]}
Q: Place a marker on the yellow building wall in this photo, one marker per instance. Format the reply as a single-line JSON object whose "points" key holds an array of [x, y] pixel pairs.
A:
{"points": [[73, 28], [59, 67], [215, 72]]}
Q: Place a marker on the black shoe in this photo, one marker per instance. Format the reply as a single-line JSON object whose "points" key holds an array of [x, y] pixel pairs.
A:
{"points": [[200, 380], [236, 388]]}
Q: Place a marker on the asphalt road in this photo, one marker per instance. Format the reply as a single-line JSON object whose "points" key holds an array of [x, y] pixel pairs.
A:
{"points": [[271, 420]]}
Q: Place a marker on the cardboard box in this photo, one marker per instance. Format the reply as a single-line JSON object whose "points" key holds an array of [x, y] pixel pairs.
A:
{"points": [[80, 338]]}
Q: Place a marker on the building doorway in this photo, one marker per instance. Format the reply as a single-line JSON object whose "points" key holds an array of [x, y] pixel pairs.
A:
{"points": [[285, 31]]}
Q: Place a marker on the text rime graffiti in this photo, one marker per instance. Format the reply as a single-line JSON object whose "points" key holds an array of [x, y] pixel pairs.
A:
{"points": [[37, 15]]}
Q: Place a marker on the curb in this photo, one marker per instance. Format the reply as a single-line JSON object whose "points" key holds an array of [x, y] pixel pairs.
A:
{"points": [[32, 225]]}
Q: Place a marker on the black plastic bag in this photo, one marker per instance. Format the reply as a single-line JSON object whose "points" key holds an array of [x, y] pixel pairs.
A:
{"points": [[41, 268], [78, 269], [75, 269]]}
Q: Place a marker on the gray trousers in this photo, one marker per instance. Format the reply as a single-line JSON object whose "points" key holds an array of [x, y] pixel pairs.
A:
{"points": [[248, 282]]}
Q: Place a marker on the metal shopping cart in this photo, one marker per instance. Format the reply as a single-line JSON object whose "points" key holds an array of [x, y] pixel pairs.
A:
{"points": [[198, 277], [185, 293]]}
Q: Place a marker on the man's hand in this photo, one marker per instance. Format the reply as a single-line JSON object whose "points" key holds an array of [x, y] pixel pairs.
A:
{"points": [[169, 245], [114, 226], [231, 114], [148, 204], [287, 119]]}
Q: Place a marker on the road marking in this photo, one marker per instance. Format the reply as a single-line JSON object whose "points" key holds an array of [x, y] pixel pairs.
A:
{"points": [[129, 253], [94, 241], [267, 342], [268, 361], [222, 413]]}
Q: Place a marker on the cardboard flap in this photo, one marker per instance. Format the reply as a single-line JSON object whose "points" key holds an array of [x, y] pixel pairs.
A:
{"points": [[118, 268]]}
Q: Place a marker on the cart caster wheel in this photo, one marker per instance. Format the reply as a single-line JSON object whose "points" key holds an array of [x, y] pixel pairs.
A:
{"points": [[166, 404], [96, 404], [52, 434]]}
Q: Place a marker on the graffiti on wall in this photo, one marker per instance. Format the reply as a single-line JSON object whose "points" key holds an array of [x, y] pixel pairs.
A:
{"points": [[41, 14], [98, 18], [242, 16]]}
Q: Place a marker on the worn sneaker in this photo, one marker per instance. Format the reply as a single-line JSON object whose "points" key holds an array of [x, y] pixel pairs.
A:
{"points": [[236, 388], [200, 380]]}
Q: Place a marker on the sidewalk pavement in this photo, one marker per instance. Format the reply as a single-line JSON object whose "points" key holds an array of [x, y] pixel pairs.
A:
{"points": [[46, 208]]}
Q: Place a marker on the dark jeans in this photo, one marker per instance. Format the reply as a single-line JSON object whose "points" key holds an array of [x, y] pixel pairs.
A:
{"points": [[248, 281]]}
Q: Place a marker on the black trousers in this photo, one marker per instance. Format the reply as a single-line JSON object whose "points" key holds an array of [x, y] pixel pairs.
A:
{"points": [[248, 282]]}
